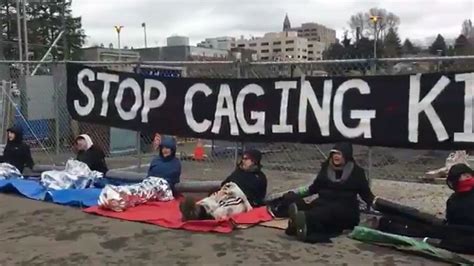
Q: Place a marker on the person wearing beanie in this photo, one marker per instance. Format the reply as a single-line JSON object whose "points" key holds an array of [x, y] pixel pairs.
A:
{"points": [[166, 165], [17, 152], [338, 184], [90, 154], [242, 190], [460, 204]]}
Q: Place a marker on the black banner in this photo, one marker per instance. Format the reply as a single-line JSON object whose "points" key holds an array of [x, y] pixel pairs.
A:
{"points": [[422, 111]]}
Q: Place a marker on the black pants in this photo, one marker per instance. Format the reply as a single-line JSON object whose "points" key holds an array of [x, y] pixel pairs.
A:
{"points": [[328, 217]]}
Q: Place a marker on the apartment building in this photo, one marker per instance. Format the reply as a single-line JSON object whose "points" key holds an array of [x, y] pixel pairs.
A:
{"points": [[316, 32], [277, 46], [222, 43]]}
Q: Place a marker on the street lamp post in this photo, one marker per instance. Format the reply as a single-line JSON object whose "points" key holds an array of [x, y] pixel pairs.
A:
{"points": [[375, 20], [118, 29], [144, 32]]}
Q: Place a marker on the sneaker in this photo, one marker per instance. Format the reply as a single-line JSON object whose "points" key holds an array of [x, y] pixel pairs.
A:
{"points": [[292, 211], [188, 209], [301, 227]]}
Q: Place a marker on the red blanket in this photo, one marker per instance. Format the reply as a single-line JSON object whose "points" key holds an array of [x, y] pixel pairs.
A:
{"points": [[167, 214]]}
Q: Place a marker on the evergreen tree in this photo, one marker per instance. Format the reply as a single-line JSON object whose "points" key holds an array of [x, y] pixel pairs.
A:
{"points": [[438, 47], [462, 46], [44, 25], [392, 44], [409, 48]]}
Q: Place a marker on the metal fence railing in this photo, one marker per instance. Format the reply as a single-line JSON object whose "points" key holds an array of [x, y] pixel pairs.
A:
{"points": [[38, 103]]}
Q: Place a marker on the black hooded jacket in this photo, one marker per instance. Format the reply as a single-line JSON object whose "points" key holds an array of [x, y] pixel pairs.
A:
{"points": [[17, 153], [252, 183], [343, 192]]}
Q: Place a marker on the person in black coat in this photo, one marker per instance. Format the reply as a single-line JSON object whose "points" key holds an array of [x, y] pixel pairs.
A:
{"points": [[248, 177], [336, 209], [89, 154], [460, 204], [16, 152]]}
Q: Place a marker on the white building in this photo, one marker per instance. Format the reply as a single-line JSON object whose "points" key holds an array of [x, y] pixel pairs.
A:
{"points": [[177, 41], [222, 43], [315, 50], [208, 53], [316, 32], [277, 46]]}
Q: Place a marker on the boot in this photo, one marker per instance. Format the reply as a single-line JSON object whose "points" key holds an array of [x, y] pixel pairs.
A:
{"points": [[292, 211], [301, 226]]}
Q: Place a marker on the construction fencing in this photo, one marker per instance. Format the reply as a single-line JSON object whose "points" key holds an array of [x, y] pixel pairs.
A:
{"points": [[38, 104]]}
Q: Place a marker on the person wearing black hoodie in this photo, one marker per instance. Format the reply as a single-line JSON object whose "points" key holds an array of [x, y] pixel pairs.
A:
{"points": [[244, 189], [89, 154], [16, 152], [338, 184], [460, 204]]}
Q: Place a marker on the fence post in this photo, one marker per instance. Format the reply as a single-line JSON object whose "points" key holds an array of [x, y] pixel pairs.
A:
{"points": [[236, 152], [56, 110], [4, 111], [369, 167], [139, 150]]}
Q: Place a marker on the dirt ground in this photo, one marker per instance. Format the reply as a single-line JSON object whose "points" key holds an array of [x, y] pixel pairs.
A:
{"points": [[37, 233]]}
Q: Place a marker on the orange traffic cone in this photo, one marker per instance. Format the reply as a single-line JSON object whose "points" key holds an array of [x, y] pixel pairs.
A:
{"points": [[199, 151]]}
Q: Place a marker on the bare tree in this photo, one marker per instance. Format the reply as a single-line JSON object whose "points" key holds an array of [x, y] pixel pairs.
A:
{"points": [[387, 20], [359, 20], [467, 29]]}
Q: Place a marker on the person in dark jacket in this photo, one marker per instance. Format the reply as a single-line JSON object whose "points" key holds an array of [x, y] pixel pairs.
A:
{"points": [[244, 189], [90, 154], [460, 204], [16, 152], [166, 165], [336, 209]]}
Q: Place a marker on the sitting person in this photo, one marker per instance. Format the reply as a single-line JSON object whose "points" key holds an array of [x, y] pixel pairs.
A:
{"points": [[16, 152], [89, 154], [244, 189], [460, 204], [336, 209], [166, 165]]}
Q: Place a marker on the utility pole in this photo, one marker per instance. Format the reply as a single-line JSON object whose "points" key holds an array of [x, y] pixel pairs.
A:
{"points": [[64, 26], [18, 24], [375, 20]]}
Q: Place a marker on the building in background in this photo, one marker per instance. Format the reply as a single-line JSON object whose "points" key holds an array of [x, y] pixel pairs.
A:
{"points": [[315, 50], [97, 53], [178, 49], [312, 31], [243, 55], [317, 32], [277, 46], [222, 43], [177, 41], [286, 24]]}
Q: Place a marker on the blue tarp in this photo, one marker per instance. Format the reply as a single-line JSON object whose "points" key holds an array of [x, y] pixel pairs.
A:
{"points": [[34, 190]]}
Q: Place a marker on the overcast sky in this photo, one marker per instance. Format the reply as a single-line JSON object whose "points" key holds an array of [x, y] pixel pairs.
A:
{"points": [[198, 19]]}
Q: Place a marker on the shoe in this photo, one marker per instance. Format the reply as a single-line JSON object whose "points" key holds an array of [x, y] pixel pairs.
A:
{"points": [[188, 209], [301, 227], [292, 211]]}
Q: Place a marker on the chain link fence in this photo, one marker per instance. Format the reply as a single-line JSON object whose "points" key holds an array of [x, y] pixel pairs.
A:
{"points": [[38, 104]]}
